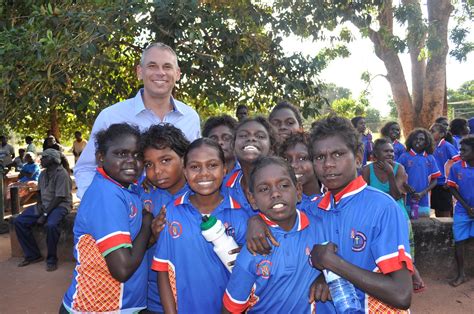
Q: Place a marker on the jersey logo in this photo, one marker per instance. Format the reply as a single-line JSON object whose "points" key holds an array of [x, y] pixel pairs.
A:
{"points": [[133, 210], [307, 252], [148, 205], [175, 229], [263, 269], [359, 241], [229, 230], [459, 175], [410, 163]]}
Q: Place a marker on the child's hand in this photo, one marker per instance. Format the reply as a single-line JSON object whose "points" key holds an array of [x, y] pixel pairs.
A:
{"points": [[319, 290], [408, 188], [322, 254], [258, 235], [148, 186], [147, 217], [234, 251], [159, 222], [417, 196], [385, 166]]}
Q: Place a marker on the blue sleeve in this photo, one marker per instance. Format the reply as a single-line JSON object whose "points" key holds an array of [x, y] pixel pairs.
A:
{"points": [[243, 278], [240, 225]]}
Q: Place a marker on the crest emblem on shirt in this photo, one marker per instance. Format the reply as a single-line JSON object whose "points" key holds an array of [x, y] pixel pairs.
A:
{"points": [[359, 241], [175, 229], [133, 210], [459, 175], [263, 269], [410, 163], [229, 230], [148, 205]]}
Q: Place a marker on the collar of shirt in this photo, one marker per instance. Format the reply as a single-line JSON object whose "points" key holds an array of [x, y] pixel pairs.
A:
{"points": [[441, 143], [227, 202], [139, 105], [328, 201], [234, 178], [301, 222], [413, 153], [132, 187]]}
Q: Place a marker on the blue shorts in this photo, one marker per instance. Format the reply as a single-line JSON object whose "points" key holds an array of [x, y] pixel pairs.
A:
{"points": [[463, 227]]}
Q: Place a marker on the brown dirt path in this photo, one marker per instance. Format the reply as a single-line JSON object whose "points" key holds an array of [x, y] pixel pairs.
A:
{"points": [[33, 290]]}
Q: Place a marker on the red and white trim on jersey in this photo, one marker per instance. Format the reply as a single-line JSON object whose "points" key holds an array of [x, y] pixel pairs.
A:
{"points": [[182, 200], [233, 203], [233, 305], [301, 217], [434, 175], [394, 261], [113, 240], [413, 153], [233, 179], [352, 188]]}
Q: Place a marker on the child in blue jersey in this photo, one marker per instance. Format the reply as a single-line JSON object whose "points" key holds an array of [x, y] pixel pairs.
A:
{"points": [[191, 277], [221, 129], [163, 148], [458, 128], [391, 131], [286, 118], [279, 282], [461, 185], [445, 155], [359, 124], [421, 169], [254, 138], [111, 231], [367, 232], [296, 151]]}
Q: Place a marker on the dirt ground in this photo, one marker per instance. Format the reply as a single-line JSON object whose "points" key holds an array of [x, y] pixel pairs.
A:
{"points": [[33, 290]]}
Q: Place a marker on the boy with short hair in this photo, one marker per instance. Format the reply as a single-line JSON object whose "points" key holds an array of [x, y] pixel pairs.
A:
{"points": [[461, 185]]}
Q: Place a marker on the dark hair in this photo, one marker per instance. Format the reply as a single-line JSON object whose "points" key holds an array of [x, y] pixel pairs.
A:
{"points": [[264, 161], [104, 137], [292, 140], [439, 119], [458, 126], [204, 141], [78, 133], [286, 105], [429, 146], [337, 126], [241, 107], [161, 136], [28, 138], [20, 150], [468, 140], [356, 120], [267, 125], [380, 142], [385, 130], [214, 122], [443, 129]]}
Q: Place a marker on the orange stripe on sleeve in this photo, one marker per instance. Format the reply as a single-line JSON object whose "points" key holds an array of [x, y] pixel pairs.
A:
{"points": [[394, 262], [114, 241], [452, 184], [233, 306], [159, 265]]}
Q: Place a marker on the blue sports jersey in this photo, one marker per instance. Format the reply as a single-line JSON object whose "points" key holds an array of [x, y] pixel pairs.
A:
{"points": [[398, 149], [369, 230], [308, 203], [368, 145], [153, 201], [421, 169], [279, 282], [456, 142], [444, 152], [198, 277], [109, 218], [461, 177], [233, 187]]}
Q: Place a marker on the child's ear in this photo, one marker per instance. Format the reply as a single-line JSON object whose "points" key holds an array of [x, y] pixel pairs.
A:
{"points": [[99, 158], [299, 191], [359, 156]]}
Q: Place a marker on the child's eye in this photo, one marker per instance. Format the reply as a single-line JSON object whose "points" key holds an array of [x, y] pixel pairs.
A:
{"points": [[242, 135], [148, 164], [284, 185], [261, 136], [194, 167], [263, 189], [303, 158], [338, 154], [213, 166], [165, 161], [318, 158]]}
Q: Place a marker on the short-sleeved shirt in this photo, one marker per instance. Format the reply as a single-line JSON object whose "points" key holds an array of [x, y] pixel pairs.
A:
{"points": [[308, 203], [456, 142], [232, 186], [6, 153], [55, 183], [398, 149], [369, 230], [32, 169], [78, 147], [421, 169], [461, 177], [109, 218], [152, 201], [280, 281], [198, 277], [368, 145], [444, 152], [31, 148]]}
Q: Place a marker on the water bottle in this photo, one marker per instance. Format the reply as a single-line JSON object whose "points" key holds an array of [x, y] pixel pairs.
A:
{"points": [[343, 293], [214, 231], [414, 206]]}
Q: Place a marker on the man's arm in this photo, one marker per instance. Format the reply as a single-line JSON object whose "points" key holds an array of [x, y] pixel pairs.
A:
{"points": [[393, 289], [166, 294]]}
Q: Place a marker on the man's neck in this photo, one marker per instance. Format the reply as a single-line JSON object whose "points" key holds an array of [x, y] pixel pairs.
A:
{"points": [[52, 168], [159, 105]]}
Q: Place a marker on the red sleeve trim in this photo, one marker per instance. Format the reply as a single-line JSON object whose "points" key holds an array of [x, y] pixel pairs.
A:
{"points": [[233, 306], [452, 184], [435, 175], [113, 241], [393, 262], [159, 265]]}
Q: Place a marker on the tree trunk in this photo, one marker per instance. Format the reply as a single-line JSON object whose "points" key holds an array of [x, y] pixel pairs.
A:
{"points": [[54, 123], [434, 92]]}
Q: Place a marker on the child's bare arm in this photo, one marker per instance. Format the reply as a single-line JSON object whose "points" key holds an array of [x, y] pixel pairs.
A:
{"points": [[455, 193], [166, 294], [430, 186], [393, 289]]}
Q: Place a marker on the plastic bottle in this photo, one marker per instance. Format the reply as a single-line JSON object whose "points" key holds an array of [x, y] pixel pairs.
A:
{"points": [[414, 208], [214, 231], [343, 293]]}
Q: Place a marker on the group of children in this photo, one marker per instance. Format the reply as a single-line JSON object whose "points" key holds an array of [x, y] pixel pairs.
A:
{"points": [[138, 241]]}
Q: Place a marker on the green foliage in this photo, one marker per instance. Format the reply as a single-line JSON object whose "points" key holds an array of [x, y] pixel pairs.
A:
{"points": [[348, 107], [461, 101]]}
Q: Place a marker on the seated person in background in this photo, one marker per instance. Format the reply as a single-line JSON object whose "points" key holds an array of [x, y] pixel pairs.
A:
{"points": [[7, 153], [78, 145], [19, 161], [27, 180], [54, 202]]}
